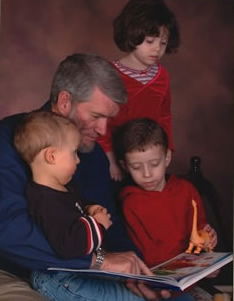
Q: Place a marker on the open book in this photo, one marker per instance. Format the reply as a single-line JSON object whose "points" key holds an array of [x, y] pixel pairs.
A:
{"points": [[177, 273]]}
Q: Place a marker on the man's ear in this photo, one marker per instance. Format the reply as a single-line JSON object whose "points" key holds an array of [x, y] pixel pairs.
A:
{"points": [[50, 155], [168, 157], [63, 105]]}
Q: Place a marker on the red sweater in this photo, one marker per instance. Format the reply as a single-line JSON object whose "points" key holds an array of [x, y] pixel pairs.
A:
{"points": [[151, 100], [160, 222]]}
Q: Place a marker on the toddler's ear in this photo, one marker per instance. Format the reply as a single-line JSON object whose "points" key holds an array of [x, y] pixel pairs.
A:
{"points": [[168, 157], [50, 155]]}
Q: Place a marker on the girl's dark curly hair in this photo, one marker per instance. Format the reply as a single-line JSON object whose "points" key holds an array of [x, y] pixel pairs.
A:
{"points": [[141, 18]]}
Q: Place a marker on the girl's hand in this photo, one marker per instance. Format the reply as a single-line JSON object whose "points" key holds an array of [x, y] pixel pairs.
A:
{"points": [[115, 172]]}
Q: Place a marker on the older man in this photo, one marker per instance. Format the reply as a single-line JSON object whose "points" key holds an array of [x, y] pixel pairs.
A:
{"points": [[87, 90]]}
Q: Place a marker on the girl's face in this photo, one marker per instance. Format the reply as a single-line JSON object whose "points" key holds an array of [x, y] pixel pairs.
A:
{"points": [[148, 168], [151, 49]]}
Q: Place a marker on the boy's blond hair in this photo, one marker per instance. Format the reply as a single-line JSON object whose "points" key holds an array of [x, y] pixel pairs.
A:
{"points": [[39, 130]]}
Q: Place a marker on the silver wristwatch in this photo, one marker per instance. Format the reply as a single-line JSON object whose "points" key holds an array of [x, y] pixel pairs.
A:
{"points": [[100, 256]]}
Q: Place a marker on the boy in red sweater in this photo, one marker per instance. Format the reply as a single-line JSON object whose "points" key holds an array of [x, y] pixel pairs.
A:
{"points": [[158, 208]]}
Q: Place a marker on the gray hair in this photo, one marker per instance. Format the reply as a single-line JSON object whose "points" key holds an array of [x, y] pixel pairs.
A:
{"points": [[80, 73]]}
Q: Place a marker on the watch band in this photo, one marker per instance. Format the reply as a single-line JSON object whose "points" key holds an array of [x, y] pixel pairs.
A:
{"points": [[100, 256]]}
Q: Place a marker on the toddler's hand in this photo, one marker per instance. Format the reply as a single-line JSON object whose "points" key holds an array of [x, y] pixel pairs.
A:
{"points": [[103, 218], [93, 209], [100, 214]]}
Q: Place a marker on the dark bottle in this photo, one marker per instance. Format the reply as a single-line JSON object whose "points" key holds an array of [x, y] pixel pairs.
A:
{"points": [[210, 199]]}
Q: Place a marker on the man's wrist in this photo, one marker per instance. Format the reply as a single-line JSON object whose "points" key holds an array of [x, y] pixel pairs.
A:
{"points": [[100, 256]]}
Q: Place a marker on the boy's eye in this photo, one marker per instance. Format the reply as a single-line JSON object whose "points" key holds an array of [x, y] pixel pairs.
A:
{"points": [[155, 163], [135, 167]]}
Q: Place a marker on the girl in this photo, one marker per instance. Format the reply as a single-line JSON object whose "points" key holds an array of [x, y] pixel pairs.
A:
{"points": [[145, 31]]}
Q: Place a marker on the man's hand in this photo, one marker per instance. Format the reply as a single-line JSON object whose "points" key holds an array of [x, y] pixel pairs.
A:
{"points": [[125, 262], [130, 263], [140, 289]]}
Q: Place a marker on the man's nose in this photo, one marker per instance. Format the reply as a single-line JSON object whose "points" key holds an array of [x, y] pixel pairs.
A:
{"points": [[101, 126]]}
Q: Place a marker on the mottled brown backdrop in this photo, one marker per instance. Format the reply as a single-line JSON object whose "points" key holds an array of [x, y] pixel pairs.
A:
{"points": [[36, 35]]}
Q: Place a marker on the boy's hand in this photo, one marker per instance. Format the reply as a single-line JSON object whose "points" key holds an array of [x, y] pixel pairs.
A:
{"points": [[212, 236], [199, 242], [204, 239]]}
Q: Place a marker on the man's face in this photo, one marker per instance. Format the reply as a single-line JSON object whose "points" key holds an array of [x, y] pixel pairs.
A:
{"points": [[91, 117]]}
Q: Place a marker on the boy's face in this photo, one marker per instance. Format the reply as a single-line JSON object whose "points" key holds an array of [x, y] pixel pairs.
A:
{"points": [[151, 49], [148, 168]]}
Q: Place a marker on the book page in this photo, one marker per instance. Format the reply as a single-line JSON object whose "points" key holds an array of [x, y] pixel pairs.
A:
{"points": [[184, 264]]}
